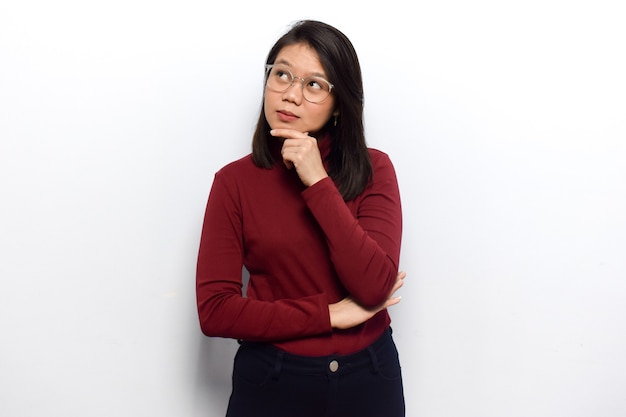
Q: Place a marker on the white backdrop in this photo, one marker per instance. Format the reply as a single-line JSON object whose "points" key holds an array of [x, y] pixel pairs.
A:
{"points": [[506, 123]]}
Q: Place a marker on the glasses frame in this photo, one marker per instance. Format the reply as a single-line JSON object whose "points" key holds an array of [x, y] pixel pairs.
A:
{"points": [[268, 68]]}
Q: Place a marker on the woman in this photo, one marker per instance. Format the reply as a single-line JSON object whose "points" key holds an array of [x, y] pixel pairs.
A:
{"points": [[314, 216]]}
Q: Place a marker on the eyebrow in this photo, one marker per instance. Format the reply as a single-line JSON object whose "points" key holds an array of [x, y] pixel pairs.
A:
{"points": [[285, 62]]}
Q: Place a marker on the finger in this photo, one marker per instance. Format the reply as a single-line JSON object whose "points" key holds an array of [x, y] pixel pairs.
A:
{"points": [[393, 301], [397, 285], [289, 153], [289, 133]]}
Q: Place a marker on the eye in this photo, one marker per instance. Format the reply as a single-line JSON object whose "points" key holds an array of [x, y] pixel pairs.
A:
{"points": [[317, 84], [281, 75], [314, 84]]}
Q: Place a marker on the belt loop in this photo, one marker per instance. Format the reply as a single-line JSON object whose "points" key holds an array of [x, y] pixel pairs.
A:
{"points": [[374, 359], [279, 362]]}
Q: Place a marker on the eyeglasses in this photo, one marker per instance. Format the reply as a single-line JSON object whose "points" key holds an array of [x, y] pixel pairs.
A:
{"points": [[315, 89]]}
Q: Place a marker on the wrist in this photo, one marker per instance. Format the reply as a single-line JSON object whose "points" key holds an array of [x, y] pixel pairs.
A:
{"points": [[317, 179], [331, 315]]}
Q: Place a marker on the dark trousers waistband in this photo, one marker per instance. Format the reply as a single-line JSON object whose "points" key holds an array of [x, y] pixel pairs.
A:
{"points": [[285, 362]]}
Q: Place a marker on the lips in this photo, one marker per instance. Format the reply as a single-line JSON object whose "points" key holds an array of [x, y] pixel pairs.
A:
{"points": [[286, 116]]}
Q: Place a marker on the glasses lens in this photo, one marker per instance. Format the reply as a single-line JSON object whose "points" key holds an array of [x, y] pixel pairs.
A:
{"points": [[279, 78], [314, 89]]}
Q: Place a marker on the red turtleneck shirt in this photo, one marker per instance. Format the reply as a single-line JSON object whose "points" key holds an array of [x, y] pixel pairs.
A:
{"points": [[304, 249]]}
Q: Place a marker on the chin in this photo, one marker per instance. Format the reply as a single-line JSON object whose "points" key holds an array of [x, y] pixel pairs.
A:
{"points": [[285, 125]]}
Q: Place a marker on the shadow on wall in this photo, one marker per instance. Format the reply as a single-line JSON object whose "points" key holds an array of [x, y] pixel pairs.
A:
{"points": [[214, 371]]}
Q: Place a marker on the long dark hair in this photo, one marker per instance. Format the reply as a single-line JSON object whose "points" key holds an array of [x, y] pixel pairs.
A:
{"points": [[348, 161]]}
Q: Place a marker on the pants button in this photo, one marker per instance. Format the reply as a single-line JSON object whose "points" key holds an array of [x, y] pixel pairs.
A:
{"points": [[333, 366]]}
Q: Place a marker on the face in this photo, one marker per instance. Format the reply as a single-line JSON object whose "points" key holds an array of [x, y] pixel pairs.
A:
{"points": [[289, 109]]}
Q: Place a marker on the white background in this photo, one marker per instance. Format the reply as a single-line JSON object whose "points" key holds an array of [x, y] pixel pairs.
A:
{"points": [[505, 121]]}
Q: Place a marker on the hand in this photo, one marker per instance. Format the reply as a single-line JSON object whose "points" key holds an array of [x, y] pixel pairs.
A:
{"points": [[300, 151], [347, 313]]}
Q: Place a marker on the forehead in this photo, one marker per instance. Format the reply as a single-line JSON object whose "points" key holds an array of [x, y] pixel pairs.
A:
{"points": [[301, 58]]}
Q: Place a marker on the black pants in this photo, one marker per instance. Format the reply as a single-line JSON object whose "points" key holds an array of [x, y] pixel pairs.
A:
{"points": [[268, 382]]}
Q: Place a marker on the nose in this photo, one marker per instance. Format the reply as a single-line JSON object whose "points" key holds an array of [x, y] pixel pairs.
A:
{"points": [[294, 92]]}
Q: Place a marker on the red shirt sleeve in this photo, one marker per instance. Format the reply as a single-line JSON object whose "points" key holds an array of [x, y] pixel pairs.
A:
{"points": [[363, 235], [222, 309]]}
